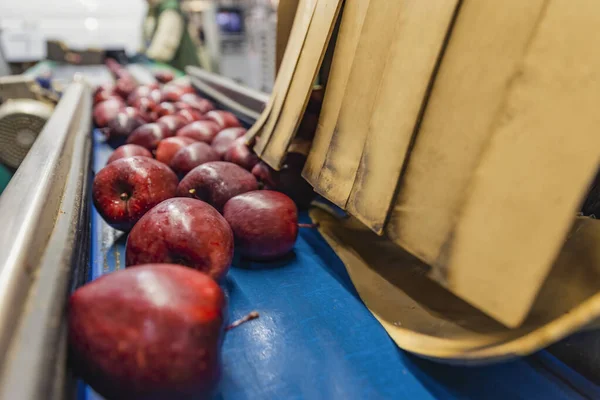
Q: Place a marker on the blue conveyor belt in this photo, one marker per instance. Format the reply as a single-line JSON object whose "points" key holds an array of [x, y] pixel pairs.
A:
{"points": [[316, 340]]}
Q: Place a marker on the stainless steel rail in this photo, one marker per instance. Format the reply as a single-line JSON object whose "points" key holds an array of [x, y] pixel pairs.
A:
{"points": [[45, 218], [246, 103]]}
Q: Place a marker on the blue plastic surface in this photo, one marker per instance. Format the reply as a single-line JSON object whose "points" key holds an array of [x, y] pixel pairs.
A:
{"points": [[316, 340]]}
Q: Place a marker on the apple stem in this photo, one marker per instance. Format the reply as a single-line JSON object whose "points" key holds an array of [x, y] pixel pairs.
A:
{"points": [[309, 226], [249, 317], [192, 191], [124, 196]]}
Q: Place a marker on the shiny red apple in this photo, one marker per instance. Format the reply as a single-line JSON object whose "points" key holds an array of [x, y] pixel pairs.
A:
{"points": [[202, 131], [129, 150], [224, 119], [121, 126], [165, 108], [239, 153], [190, 115], [197, 102], [126, 189], [216, 182], [172, 122], [191, 156], [107, 110], [167, 148], [182, 231], [225, 139], [149, 332], [264, 224], [149, 135]]}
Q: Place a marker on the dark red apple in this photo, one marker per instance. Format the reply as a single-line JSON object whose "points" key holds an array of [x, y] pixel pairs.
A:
{"points": [[288, 180], [182, 231], [171, 93], [146, 106], [129, 150], [149, 332], [126, 189], [172, 122], [164, 76], [202, 131], [149, 135], [216, 182], [240, 154], [167, 148], [121, 126], [107, 110], [264, 224], [165, 108], [265, 175], [125, 86], [197, 102], [102, 93], [144, 92], [225, 139], [224, 119], [191, 156], [191, 115]]}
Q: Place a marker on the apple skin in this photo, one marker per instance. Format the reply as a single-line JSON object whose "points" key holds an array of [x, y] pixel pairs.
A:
{"points": [[164, 76], [172, 122], [149, 135], [197, 102], [128, 150], [144, 92], [240, 154], [149, 332], [125, 86], [224, 119], [191, 156], [126, 189], [202, 131], [182, 231], [225, 139], [103, 93], [216, 182], [167, 148], [165, 108], [107, 110], [190, 115], [121, 126], [264, 224]]}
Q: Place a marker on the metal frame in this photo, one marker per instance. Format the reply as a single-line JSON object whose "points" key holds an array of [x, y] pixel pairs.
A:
{"points": [[44, 247], [246, 103]]}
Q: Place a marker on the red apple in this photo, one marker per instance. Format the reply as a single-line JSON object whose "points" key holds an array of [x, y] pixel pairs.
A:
{"points": [[197, 102], [107, 110], [264, 224], [225, 138], [168, 147], [129, 150], [265, 175], [240, 154], [164, 76], [149, 135], [121, 126], [144, 91], [103, 93], [126, 189], [172, 122], [191, 156], [216, 182], [224, 119], [182, 231], [149, 332], [202, 131], [165, 108], [125, 86], [172, 93], [191, 115]]}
